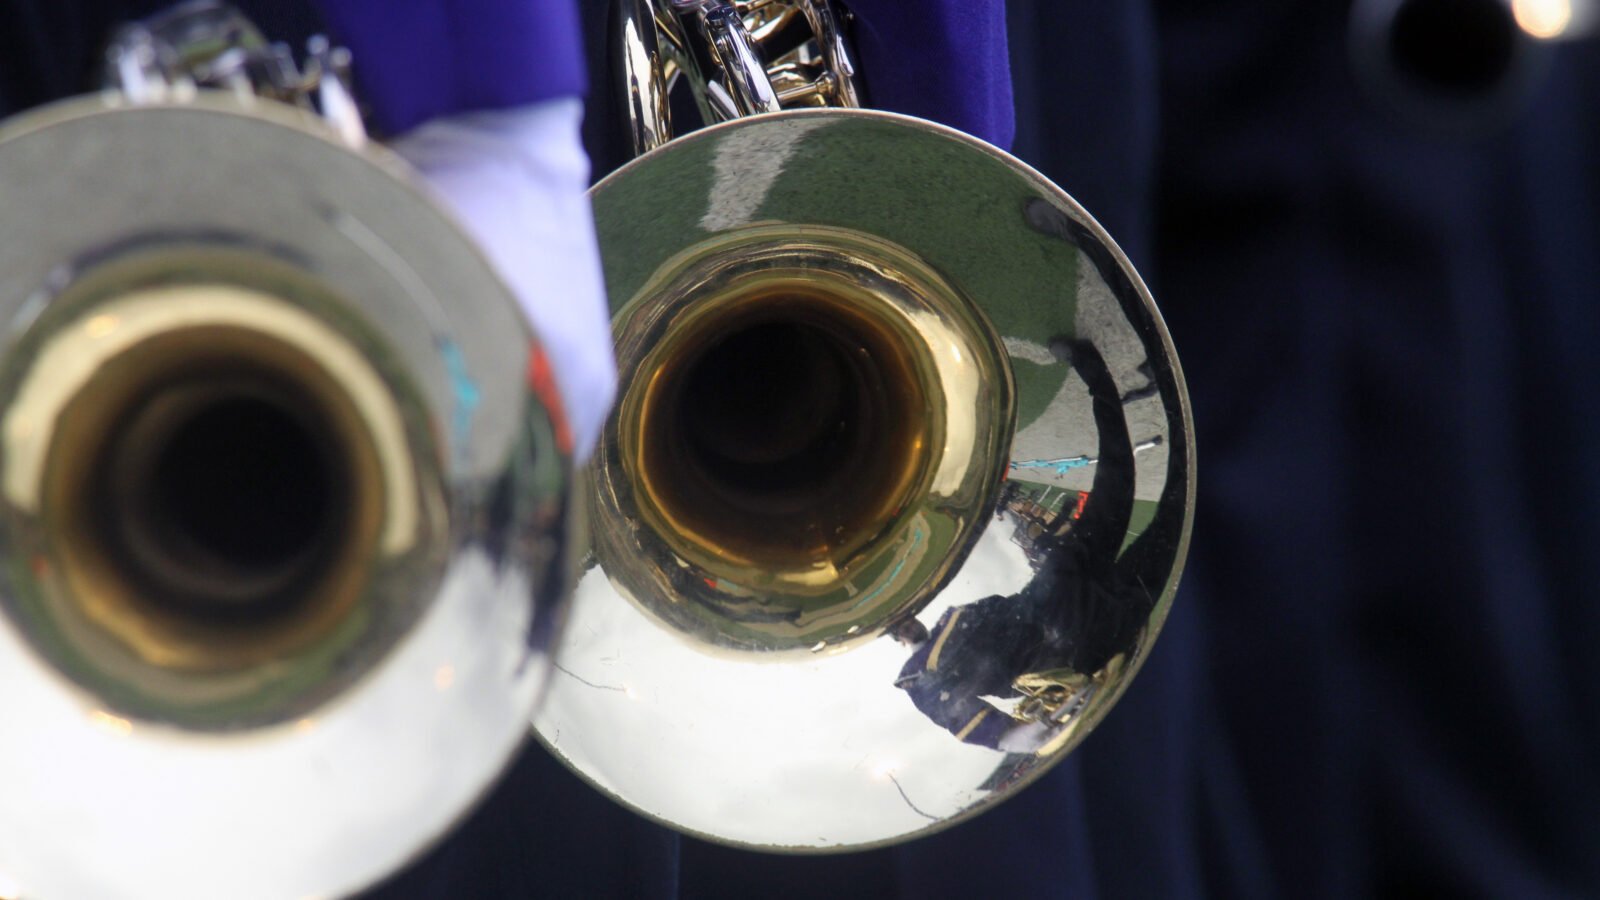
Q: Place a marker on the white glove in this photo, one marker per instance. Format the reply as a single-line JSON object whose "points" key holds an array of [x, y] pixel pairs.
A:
{"points": [[516, 180]]}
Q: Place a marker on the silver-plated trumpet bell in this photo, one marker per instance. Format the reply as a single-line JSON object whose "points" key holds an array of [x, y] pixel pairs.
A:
{"points": [[283, 495], [896, 494]]}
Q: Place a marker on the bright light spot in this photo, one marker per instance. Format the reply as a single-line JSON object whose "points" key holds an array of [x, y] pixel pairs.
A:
{"points": [[1543, 19], [305, 726], [628, 690], [443, 677], [9, 890], [885, 769], [111, 724], [100, 326]]}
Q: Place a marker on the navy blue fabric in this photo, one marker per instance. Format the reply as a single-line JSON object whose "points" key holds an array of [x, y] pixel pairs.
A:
{"points": [[419, 59], [543, 833], [944, 61], [1389, 330]]}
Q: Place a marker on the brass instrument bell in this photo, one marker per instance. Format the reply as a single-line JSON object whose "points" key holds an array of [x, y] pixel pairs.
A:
{"points": [[284, 514], [898, 487]]}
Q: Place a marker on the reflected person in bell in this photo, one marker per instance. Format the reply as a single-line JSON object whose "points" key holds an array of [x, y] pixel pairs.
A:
{"points": [[973, 672]]}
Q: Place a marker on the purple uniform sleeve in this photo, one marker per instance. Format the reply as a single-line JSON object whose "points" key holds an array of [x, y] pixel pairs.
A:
{"points": [[944, 60], [419, 59]]}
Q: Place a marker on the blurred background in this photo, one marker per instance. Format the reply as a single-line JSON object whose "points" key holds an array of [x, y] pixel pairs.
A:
{"points": [[1371, 227]]}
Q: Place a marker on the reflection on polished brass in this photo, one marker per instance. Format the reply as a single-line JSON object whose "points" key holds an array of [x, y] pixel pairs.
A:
{"points": [[207, 472], [898, 489], [737, 57], [1055, 695], [810, 426], [136, 556], [285, 489]]}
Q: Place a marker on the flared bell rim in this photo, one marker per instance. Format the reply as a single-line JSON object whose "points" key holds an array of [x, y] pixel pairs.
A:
{"points": [[98, 803], [633, 781]]}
